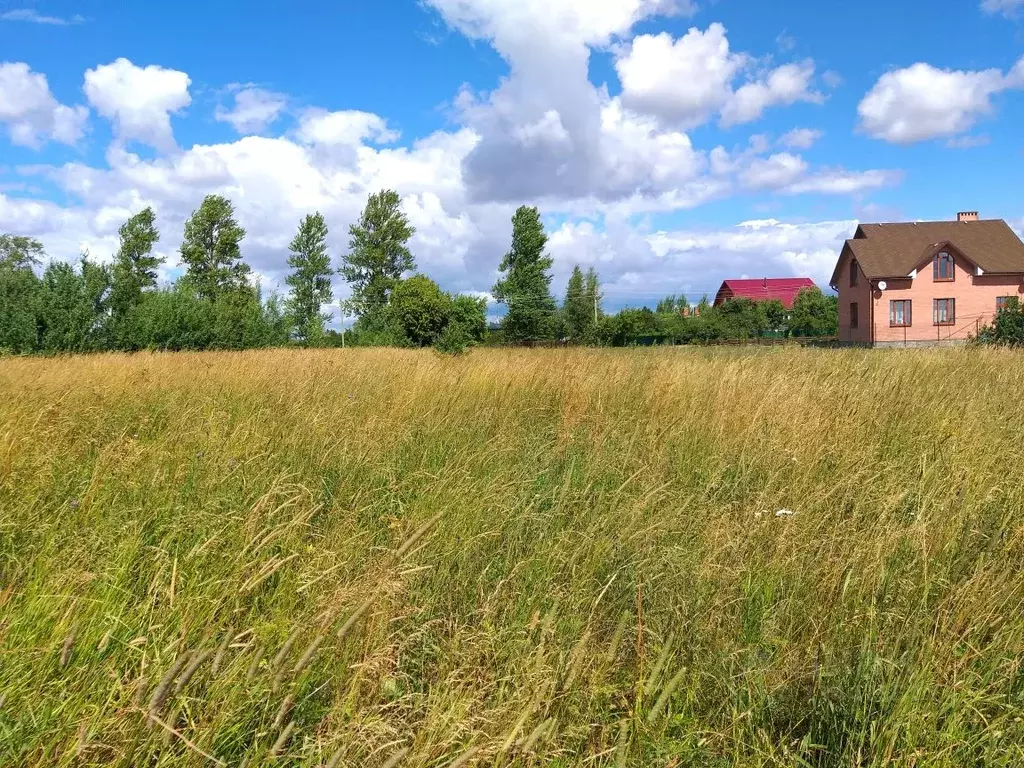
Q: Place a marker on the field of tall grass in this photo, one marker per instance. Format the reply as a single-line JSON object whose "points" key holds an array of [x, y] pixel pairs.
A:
{"points": [[563, 558]]}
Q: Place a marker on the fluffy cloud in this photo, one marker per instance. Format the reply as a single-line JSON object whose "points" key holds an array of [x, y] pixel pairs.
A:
{"points": [[800, 138], [542, 131], [254, 110], [783, 86], [922, 102], [775, 172], [557, 23], [30, 111], [344, 128], [686, 81], [139, 100]]}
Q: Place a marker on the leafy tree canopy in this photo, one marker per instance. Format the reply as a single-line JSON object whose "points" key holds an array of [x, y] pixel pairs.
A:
{"points": [[526, 286], [378, 253], [211, 249]]}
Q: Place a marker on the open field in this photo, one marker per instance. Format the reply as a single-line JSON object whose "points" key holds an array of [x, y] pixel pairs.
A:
{"points": [[237, 547]]}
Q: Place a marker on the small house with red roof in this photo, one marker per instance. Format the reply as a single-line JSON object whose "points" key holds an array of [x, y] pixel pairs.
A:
{"points": [[784, 289]]}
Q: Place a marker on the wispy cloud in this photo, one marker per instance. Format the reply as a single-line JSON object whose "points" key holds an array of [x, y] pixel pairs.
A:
{"points": [[34, 17], [968, 142]]}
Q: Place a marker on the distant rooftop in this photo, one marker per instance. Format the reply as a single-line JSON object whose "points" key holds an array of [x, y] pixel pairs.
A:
{"points": [[785, 289]]}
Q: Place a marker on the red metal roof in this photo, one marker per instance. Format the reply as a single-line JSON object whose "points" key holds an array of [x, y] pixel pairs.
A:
{"points": [[785, 289]]}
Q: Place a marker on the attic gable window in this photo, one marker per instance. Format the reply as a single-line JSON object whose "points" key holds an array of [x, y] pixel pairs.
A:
{"points": [[943, 267], [854, 273]]}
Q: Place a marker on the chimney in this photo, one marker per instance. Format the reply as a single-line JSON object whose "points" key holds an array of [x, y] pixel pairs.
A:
{"points": [[967, 216]]}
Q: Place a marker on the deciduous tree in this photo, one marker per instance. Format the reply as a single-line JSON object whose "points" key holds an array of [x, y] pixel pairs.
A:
{"points": [[211, 249], [526, 287], [19, 293], [577, 313], [310, 280], [421, 309], [135, 266], [378, 255], [814, 314]]}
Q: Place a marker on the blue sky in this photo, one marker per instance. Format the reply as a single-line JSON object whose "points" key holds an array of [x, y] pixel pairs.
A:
{"points": [[669, 143]]}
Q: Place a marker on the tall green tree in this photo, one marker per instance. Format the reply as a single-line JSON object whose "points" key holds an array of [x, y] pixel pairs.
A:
{"points": [[211, 249], [577, 312], [814, 314], [310, 280], [135, 266], [19, 293], [378, 255], [526, 287]]}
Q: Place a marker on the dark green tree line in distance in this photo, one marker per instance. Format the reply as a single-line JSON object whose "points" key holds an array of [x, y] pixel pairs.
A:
{"points": [[216, 304]]}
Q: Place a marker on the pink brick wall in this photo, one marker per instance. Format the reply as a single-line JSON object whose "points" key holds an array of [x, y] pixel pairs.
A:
{"points": [[860, 293], [975, 304]]}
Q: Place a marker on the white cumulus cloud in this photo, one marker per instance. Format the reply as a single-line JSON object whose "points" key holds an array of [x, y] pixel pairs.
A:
{"points": [[923, 102], [346, 127], [687, 81], [253, 111], [139, 101], [31, 113], [782, 86]]}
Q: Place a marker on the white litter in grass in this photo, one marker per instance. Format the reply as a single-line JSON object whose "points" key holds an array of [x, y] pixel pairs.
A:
{"points": [[785, 513]]}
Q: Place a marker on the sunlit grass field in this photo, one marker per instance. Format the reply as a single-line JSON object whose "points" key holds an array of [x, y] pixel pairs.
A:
{"points": [[547, 557]]}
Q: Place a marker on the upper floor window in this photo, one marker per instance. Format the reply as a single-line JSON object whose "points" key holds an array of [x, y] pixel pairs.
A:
{"points": [[854, 273], [943, 268]]}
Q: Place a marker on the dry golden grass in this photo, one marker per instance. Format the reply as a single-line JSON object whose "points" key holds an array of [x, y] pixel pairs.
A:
{"points": [[382, 557]]}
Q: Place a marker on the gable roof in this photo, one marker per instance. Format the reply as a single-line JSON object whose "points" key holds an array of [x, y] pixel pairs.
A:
{"points": [[895, 250], [785, 289]]}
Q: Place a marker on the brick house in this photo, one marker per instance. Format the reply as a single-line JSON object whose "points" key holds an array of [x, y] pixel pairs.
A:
{"points": [[927, 282]]}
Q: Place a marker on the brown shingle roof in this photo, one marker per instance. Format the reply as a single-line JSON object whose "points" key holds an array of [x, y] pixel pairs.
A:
{"points": [[894, 250]]}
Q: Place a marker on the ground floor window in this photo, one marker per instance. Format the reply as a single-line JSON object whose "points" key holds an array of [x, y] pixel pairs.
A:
{"points": [[1002, 302], [853, 315], [944, 311], [899, 313]]}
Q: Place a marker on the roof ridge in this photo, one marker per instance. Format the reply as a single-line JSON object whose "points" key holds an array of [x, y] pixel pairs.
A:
{"points": [[929, 221]]}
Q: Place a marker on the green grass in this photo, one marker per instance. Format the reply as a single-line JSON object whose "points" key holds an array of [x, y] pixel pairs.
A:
{"points": [[558, 558]]}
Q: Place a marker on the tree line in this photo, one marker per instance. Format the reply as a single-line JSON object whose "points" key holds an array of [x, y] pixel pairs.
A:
{"points": [[216, 304]]}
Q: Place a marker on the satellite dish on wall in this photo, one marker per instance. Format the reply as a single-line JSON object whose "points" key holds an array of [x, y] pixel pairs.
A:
{"points": [[882, 285]]}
